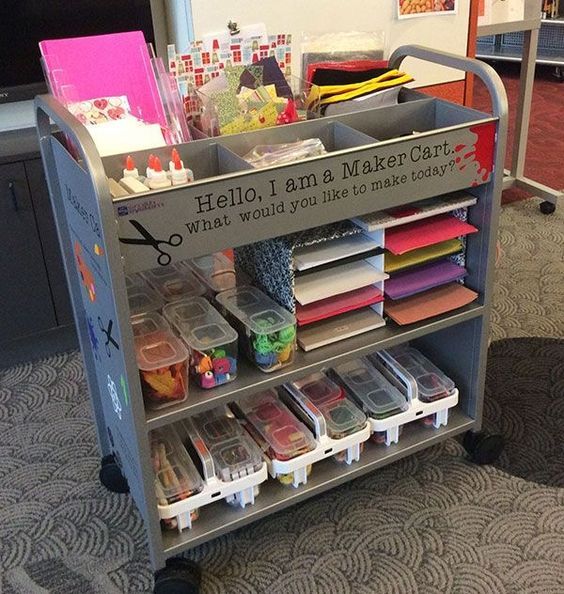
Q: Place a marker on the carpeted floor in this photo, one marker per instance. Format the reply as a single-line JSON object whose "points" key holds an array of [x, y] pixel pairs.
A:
{"points": [[432, 523]]}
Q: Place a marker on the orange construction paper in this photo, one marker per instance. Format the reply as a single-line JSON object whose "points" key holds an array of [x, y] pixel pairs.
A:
{"points": [[429, 304]]}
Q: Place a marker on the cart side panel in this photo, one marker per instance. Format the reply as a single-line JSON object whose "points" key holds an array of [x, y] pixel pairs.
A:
{"points": [[109, 345]]}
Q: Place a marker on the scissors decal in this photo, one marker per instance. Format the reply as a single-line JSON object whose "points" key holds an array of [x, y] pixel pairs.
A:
{"points": [[147, 239], [108, 333]]}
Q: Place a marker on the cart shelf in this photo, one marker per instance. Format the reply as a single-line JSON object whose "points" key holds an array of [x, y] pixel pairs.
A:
{"points": [[219, 519], [251, 380]]}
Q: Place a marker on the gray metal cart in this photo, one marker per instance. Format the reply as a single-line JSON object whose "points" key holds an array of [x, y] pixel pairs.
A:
{"points": [[376, 159]]}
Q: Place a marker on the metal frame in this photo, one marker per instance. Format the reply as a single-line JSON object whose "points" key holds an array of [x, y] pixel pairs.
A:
{"points": [[86, 217], [515, 177]]}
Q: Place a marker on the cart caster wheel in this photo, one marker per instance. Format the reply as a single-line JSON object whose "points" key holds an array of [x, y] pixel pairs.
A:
{"points": [[111, 476], [180, 576], [482, 447], [547, 207]]}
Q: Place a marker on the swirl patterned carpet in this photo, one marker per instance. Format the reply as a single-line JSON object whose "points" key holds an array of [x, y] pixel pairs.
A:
{"points": [[430, 524]]}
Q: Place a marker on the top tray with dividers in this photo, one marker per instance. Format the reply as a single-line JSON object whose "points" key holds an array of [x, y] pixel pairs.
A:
{"points": [[375, 159]]}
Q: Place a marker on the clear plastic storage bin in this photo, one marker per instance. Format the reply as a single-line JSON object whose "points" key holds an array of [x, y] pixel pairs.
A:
{"points": [[211, 340], [176, 477], [341, 416], [174, 282], [143, 299], [267, 330], [280, 435], [163, 364], [149, 323], [378, 398], [216, 271], [234, 453], [432, 383]]}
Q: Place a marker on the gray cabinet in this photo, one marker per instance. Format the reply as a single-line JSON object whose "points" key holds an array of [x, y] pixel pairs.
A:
{"points": [[27, 303]]}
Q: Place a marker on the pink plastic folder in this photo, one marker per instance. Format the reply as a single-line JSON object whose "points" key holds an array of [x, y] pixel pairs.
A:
{"points": [[418, 234], [332, 306], [83, 68], [411, 282]]}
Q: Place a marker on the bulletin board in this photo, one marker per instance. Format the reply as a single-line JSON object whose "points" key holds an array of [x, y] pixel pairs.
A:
{"points": [[447, 33]]}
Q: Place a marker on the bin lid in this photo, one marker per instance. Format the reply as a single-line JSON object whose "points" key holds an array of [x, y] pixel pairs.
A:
{"points": [[341, 416], [378, 397], [176, 476], [143, 300], [174, 282], [432, 383], [215, 270], [148, 323], [201, 326], [233, 452], [257, 311], [159, 349], [276, 426]]}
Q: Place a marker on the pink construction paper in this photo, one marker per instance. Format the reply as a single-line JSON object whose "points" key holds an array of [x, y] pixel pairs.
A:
{"points": [[118, 64], [418, 234], [338, 304]]}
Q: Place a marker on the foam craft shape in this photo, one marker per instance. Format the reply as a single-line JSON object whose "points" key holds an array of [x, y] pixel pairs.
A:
{"points": [[394, 263], [429, 304], [106, 65], [425, 232], [333, 306], [416, 280]]}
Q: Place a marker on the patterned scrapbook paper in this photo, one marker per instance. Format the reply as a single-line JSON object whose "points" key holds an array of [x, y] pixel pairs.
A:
{"points": [[269, 263]]}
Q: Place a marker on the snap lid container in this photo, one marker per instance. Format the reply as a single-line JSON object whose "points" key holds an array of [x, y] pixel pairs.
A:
{"points": [[143, 299], [134, 280], [163, 366], [211, 340], [216, 271], [432, 383], [174, 282], [279, 433], [341, 416], [176, 477], [268, 329], [378, 398], [234, 453], [144, 324]]}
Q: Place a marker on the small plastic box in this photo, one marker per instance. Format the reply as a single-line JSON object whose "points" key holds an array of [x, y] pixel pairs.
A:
{"points": [[373, 392], [143, 299], [268, 331], [149, 323], [174, 282], [176, 477], [278, 432], [432, 383], [341, 416], [134, 280], [211, 340], [216, 271], [234, 453], [162, 359]]}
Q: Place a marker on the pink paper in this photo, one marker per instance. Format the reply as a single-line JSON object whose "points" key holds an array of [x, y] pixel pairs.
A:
{"points": [[118, 64], [419, 234]]}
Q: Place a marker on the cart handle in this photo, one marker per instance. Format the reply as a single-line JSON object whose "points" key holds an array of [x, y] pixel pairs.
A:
{"points": [[48, 109], [482, 70]]}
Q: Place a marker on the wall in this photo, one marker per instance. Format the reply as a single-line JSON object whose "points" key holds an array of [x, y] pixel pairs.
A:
{"points": [[449, 33]]}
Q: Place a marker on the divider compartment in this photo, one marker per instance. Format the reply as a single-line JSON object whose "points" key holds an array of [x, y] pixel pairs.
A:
{"points": [[206, 158]]}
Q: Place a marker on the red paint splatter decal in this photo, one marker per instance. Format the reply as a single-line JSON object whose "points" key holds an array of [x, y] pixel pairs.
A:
{"points": [[479, 155]]}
